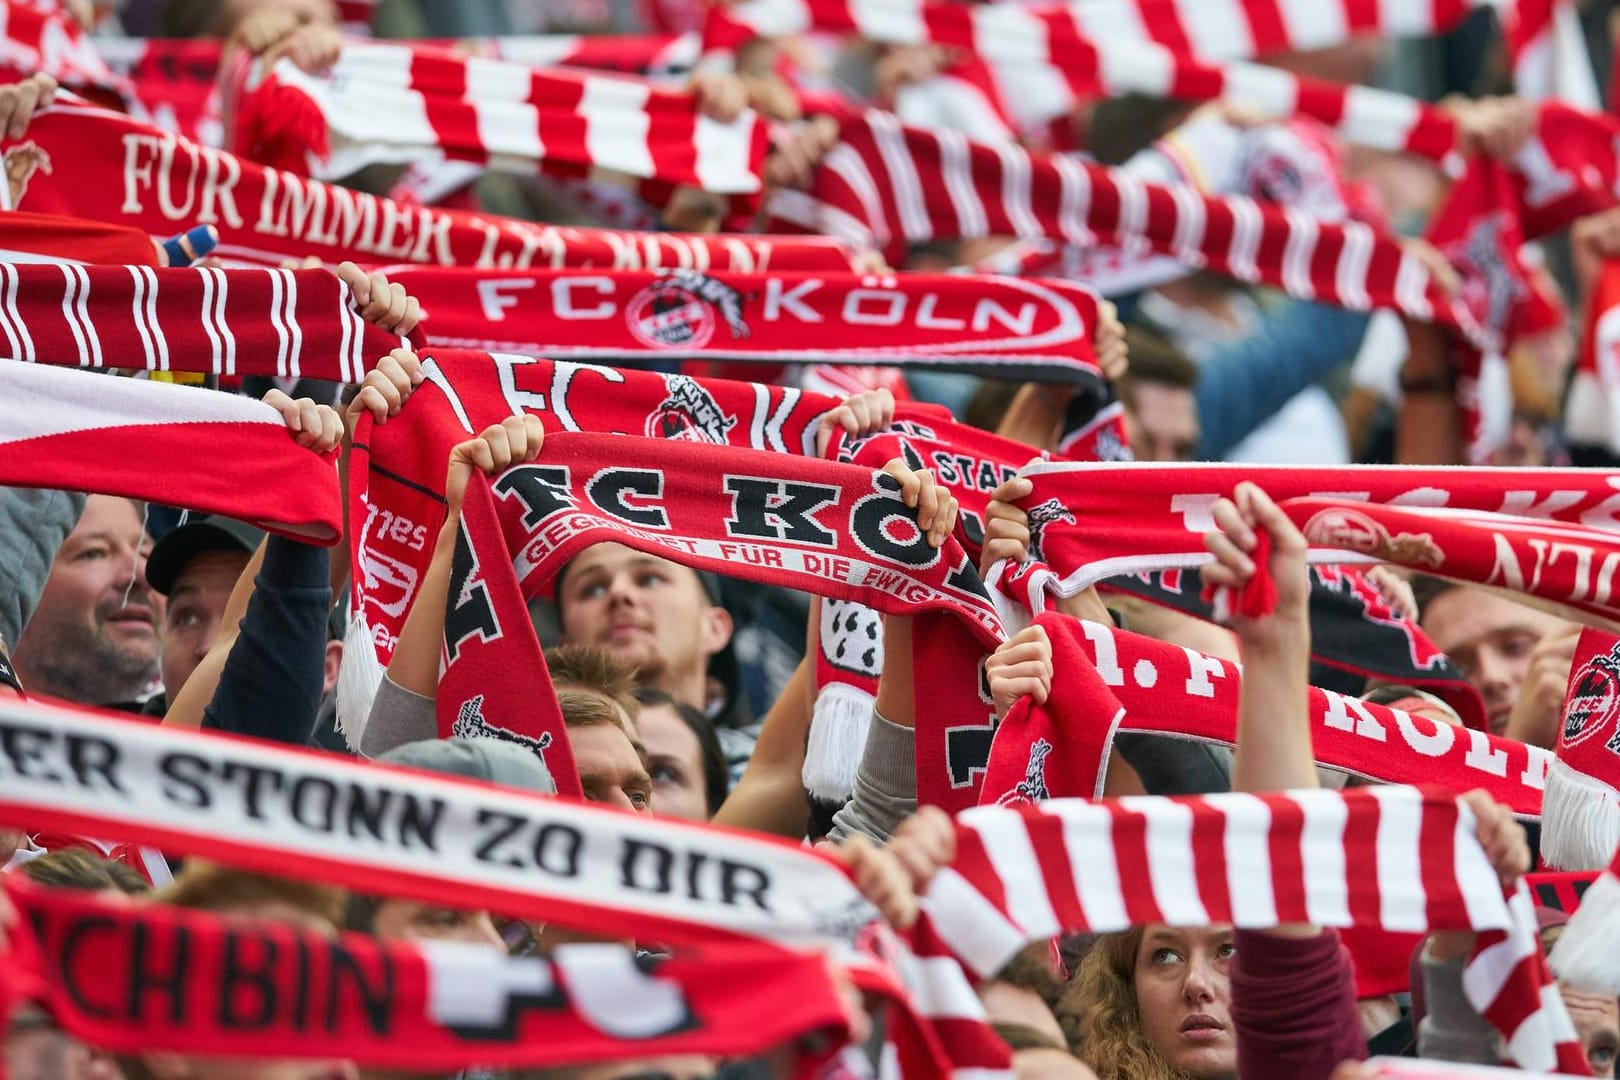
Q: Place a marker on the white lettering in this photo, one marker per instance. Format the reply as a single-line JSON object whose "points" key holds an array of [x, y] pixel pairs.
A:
{"points": [[1482, 756], [1102, 642], [562, 297], [855, 300], [1197, 511], [1202, 668], [137, 172], [987, 311], [495, 295], [1435, 744], [1338, 717], [778, 299]]}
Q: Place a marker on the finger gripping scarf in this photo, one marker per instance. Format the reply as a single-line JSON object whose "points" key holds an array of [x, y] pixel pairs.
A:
{"points": [[1393, 858]]}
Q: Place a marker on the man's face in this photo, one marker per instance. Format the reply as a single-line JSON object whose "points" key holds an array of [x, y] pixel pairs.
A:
{"points": [[195, 608], [1597, 1024], [1161, 422], [610, 770], [1490, 639], [648, 612], [94, 637], [408, 920]]}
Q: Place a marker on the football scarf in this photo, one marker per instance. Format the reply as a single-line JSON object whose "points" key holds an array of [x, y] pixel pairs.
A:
{"points": [[1355, 635], [143, 440], [287, 323], [1586, 954], [887, 186], [1108, 680], [1582, 810], [393, 103], [1391, 858], [1592, 411], [264, 216], [133, 979], [1090, 521], [170, 83], [464, 844], [999, 327], [42, 37]]}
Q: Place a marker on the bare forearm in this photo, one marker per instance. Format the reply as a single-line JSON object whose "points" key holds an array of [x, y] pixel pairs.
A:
{"points": [[896, 696], [770, 796], [1274, 736], [415, 665]]}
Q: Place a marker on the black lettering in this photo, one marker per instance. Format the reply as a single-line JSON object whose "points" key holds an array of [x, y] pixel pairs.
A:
{"points": [[365, 809], [543, 490], [323, 794], [25, 746], [71, 966], [507, 825], [779, 510], [247, 991], [184, 774], [660, 860], [607, 490], [967, 752], [145, 977], [945, 465], [419, 822], [965, 577], [742, 879], [870, 521], [301, 981], [571, 841], [694, 864], [255, 775], [470, 612], [90, 756], [373, 995]]}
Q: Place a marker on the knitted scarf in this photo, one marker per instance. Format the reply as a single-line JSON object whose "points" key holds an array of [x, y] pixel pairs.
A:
{"points": [[168, 183], [1581, 812], [142, 440], [288, 323], [445, 840], [1355, 635], [888, 186], [393, 103], [1091, 521], [1592, 413], [1393, 858], [1000, 327], [1109, 680], [43, 37], [192, 982]]}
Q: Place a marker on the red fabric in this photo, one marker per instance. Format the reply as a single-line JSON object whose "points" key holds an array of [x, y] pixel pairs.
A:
{"points": [[1592, 413], [43, 37], [1108, 680], [893, 186], [26, 237], [1258, 597], [1382, 959], [1293, 1010], [264, 216], [999, 327]]}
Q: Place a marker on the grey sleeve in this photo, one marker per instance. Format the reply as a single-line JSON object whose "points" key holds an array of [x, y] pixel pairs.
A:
{"points": [[1176, 766], [885, 784], [1451, 1030], [33, 524], [398, 716]]}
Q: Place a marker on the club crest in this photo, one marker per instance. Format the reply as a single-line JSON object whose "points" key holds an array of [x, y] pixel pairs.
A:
{"points": [[689, 412], [1593, 701], [1040, 517], [1354, 531], [680, 310], [1032, 788], [471, 724]]}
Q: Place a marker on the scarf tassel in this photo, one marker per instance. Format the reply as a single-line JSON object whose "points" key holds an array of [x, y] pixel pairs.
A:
{"points": [[1580, 820], [1257, 598], [359, 678], [1587, 955], [838, 729], [281, 126]]}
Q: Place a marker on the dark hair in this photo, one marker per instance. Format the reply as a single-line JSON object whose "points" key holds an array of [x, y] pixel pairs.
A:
{"points": [[716, 776], [76, 868], [1155, 359], [1023, 1037], [1426, 589]]}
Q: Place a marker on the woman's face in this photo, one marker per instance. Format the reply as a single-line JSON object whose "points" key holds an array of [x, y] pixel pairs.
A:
{"points": [[1184, 994], [675, 762], [407, 920]]}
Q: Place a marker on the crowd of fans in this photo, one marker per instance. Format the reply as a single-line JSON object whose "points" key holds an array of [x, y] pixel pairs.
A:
{"points": [[689, 696]]}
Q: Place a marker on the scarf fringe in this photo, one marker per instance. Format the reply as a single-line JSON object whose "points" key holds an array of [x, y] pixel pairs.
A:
{"points": [[280, 125], [838, 729], [359, 678], [1580, 820], [1587, 956]]}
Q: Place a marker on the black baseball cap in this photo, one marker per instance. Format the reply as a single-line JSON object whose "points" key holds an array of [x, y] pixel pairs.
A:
{"points": [[198, 535]]}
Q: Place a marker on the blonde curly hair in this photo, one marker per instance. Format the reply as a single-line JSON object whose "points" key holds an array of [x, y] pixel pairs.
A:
{"points": [[1103, 996]]}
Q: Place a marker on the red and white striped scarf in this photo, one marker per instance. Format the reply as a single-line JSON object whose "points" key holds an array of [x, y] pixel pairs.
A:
{"points": [[143, 440], [1587, 955], [394, 103], [888, 186], [1389, 857], [167, 183], [285, 323], [446, 840], [40, 36], [1592, 413]]}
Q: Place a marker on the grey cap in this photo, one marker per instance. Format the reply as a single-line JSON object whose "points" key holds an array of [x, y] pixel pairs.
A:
{"points": [[493, 760]]}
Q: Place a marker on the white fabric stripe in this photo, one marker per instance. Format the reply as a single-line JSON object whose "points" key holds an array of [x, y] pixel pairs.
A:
{"points": [[773, 432], [851, 168], [1075, 201], [9, 323], [355, 343], [1110, 20], [895, 21], [70, 313], [1215, 31], [207, 317], [276, 296], [1411, 287], [137, 313], [976, 932], [1248, 860], [1267, 91], [1532, 1044], [1089, 839], [1480, 887], [903, 179], [515, 131], [1402, 899], [295, 359], [1168, 840], [1145, 68], [1190, 222], [1350, 276], [221, 288], [1321, 844], [616, 125], [1378, 118], [722, 154], [1015, 193], [958, 175], [348, 332], [1314, 24], [1245, 245], [756, 421], [1297, 254], [92, 335], [1133, 211], [152, 319], [939, 990], [1012, 854]]}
